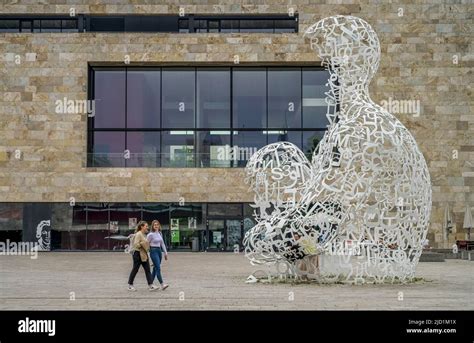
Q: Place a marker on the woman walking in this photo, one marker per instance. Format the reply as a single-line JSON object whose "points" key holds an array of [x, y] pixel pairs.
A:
{"points": [[140, 248], [158, 248]]}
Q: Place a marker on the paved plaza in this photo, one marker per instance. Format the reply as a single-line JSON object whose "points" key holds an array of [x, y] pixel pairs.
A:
{"points": [[212, 281]]}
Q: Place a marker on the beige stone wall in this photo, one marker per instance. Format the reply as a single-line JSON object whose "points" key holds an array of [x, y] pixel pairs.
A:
{"points": [[417, 63]]}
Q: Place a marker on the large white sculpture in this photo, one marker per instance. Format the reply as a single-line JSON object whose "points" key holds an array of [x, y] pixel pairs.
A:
{"points": [[359, 211]]}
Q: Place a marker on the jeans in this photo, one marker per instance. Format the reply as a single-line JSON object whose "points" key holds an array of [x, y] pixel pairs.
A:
{"points": [[155, 254], [137, 262]]}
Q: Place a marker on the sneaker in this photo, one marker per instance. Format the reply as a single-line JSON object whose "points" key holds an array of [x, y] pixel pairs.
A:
{"points": [[164, 286], [152, 288], [131, 288]]}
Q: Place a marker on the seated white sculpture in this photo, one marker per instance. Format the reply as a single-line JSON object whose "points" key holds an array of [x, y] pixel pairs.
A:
{"points": [[362, 205]]}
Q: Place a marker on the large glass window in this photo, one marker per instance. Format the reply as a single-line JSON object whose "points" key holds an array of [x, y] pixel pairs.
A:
{"points": [[201, 117], [284, 98], [143, 98], [178, 97], [249, 94], [108, 226], [213, 97]]}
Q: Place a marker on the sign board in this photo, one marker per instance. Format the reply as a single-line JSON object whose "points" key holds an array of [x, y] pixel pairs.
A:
{"points": [[217, 237], [174, 236], [174, 224], [132, 223], [192, 222]]}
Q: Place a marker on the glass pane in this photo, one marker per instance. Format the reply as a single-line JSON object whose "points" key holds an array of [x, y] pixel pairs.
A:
{"points": [[177, 149], [108, 149], [144, 149], [69, 25], [183, 25], [245, 144], [216, 234], [284, 98], [228, 25], [78, 233], [8, 25], [285, 25], [256, 25], [213, 26], [249, 219], [36, 25], [26, 25], [143, 98], [124, 218], [178, 98], [53, 25], [285, 136], [249, 98], [311, 141], [68, 227], [109, 95], [107, 24], [11, 222], [200, 25], [234, 235], [314, 103], [155, 211], [97, 226], [213, 97], [213, 148]]}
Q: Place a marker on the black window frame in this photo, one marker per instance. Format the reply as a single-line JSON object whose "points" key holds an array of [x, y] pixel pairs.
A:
{"points": [[37, 22], [167, 23]]}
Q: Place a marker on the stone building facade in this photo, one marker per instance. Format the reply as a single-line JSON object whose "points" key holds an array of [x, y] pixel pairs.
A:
{"points": [[427, 56]]}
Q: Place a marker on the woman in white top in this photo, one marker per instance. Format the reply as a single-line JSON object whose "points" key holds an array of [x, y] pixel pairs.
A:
{"points": [[157, 249]]}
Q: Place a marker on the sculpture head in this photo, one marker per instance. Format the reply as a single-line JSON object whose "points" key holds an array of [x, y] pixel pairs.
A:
{"points": [[348, 46], [42, 235]]}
